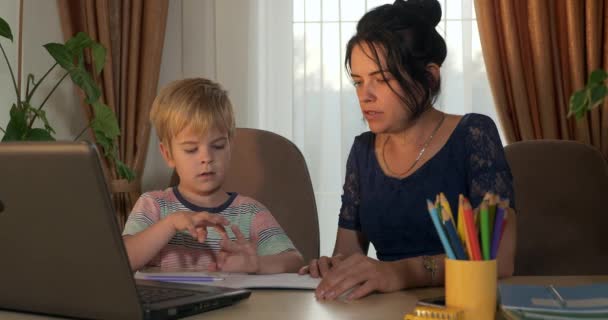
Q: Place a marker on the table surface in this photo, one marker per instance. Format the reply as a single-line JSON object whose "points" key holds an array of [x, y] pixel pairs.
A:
{"points": [[301, 304]]}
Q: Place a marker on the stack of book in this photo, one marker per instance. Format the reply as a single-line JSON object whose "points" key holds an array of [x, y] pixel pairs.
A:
{"points": [[554, 302]]}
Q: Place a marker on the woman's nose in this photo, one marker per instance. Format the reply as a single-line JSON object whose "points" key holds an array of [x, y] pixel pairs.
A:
{"points": [[367, 92]]}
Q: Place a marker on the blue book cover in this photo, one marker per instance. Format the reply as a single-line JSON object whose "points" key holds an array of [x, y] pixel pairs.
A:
{"points": [[581, 299]]}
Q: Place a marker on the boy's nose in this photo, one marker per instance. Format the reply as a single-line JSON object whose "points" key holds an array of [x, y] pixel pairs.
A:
{"points": [[205, 157]]}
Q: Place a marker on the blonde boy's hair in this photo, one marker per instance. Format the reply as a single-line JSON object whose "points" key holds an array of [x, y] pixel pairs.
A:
{"points": [[198, 103]]}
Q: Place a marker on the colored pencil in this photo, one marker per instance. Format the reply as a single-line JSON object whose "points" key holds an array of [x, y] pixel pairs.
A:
{"points": [[462, 231], [471, 230], [484, 221], [505, 218], [442, 237], [445, 204], [453, 236], [492, 202], [498, 225]]}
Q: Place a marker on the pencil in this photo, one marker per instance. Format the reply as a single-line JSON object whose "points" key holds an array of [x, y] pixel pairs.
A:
{"points": [[471, 230], [442, 237], [492, 203], [453, 236], [505, 218], [438, 203], [498, 225], [484, 220], [462, 232], [446, 205]]}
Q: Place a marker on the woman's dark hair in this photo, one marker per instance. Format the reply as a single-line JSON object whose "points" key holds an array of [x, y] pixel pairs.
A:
{"points": [[404, 33]]}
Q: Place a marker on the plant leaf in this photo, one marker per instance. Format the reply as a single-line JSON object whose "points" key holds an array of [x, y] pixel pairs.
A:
{"points": [[39, 134], [83, 79], [597, 77], [99, 56], [124, 171], [109, 152], [106, 144], [105, 121], [16, 128], [78, 42], [578, 102], [5, 30], [61, 55], [598, 93], [40, 114]]}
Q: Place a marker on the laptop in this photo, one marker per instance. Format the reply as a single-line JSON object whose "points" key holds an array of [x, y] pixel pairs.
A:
{"points": [[60, 244]]}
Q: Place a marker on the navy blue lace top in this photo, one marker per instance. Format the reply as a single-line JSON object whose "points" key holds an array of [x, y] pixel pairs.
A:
{"points": [[392, 212]]}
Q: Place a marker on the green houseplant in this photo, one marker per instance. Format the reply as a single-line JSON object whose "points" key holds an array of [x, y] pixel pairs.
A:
{"points": [[71, 58], [590, 96]]}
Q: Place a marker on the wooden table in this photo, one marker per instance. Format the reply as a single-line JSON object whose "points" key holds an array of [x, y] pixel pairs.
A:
{"points": [[296, 304]]}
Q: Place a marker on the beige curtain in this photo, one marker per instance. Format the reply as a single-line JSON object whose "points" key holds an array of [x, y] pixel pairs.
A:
{"points": [[537, 53], [133, 33]]}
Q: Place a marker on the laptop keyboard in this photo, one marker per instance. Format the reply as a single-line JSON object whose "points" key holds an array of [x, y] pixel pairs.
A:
{"points": [[149, 295]]}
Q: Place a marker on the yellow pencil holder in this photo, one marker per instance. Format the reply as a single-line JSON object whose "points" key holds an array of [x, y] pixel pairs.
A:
{"points": [[471, 286]]}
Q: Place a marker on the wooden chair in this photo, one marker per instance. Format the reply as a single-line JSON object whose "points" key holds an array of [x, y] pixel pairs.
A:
{"points": [[562, 212]]}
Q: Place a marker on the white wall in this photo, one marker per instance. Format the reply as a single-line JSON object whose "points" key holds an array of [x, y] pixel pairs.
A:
{"points": [[8, 12], [189, 51], [196, 45], [40, 26], [227, 41], [156, 174]]}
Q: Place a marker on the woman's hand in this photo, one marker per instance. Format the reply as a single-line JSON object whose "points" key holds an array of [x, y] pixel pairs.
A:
{"points": [[318, 268], [362, 273], [237, 256]]}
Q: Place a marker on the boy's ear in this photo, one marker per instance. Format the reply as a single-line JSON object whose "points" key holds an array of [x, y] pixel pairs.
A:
{"points": [[166, 152]]}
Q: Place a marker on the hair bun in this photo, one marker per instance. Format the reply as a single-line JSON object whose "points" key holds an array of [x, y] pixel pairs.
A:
{"points": [[429, 9]]}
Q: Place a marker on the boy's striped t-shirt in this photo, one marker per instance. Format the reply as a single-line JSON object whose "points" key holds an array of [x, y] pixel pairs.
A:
{"points": [[185, 253]]}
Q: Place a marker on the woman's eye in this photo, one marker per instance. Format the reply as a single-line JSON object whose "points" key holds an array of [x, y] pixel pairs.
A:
{"points": [[219, 147]]}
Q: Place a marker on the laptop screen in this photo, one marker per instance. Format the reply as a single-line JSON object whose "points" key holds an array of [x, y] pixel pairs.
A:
{"points": [[62, 252]]}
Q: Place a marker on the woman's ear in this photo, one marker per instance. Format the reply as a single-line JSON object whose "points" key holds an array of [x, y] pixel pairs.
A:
{"points": [[434, 71]]}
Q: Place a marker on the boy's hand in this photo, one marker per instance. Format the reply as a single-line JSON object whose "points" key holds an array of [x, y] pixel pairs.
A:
{"points": [[237, 256], [196, 223]]}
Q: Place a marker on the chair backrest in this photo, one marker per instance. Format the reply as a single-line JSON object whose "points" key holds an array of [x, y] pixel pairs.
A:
{"points": [[562, 215], [272, 170]]}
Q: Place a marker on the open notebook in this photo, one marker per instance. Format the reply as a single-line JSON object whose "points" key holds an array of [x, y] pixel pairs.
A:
{"points": [[235, 280]]}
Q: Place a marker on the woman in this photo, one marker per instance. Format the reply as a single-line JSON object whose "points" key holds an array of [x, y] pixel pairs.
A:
{"points": [[412, 153]]}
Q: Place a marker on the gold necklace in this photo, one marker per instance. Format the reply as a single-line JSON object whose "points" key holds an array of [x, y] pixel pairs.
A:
{"points": [[426, 144]]}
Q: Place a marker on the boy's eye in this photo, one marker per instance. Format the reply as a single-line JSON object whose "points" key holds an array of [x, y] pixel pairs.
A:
{"points": [[219, 146], [191, 150], [356, 83]]}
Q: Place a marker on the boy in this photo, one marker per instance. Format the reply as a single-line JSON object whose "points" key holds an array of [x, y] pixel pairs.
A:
{"points": [[169, 229]]}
